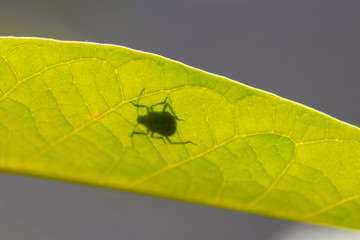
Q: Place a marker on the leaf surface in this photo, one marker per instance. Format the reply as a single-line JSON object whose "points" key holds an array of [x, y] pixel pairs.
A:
{"points": [[67, 112]]}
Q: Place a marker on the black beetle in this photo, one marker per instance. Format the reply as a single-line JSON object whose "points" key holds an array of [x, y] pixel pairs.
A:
{"points": [[163, 123]]}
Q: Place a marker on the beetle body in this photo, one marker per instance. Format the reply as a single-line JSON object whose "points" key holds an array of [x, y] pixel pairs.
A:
{"points": [[162, 123]]}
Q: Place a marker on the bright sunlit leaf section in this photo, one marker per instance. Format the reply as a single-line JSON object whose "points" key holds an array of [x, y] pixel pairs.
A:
{"points": [[68, 111]]}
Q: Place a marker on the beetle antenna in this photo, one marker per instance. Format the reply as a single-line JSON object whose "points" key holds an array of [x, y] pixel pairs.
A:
{"points": [[141, 93]]}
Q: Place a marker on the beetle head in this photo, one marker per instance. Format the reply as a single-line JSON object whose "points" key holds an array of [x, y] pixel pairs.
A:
{"points": [[141, 119]]}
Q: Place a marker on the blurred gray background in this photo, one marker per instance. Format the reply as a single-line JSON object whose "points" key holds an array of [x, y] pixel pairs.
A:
{"points": [[306, 51]]}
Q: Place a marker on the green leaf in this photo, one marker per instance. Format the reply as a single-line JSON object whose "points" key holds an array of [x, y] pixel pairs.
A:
{"points": [[67, 112]]}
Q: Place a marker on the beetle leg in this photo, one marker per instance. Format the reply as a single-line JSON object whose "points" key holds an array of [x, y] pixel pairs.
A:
{"points": [[156, 104], [143, 106], [186, 142], [139, 133], [172, 111], [135, 132], [152, 135]]}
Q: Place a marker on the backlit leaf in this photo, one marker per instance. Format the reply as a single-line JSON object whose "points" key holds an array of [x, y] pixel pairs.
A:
{"points": [[66, 113]]}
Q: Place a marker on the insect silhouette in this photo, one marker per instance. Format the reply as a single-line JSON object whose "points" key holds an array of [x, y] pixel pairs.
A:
{"points": [[163, 123]]}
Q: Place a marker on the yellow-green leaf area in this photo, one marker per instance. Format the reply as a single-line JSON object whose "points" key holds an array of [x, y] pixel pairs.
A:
{"points": [[67, 112]]}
